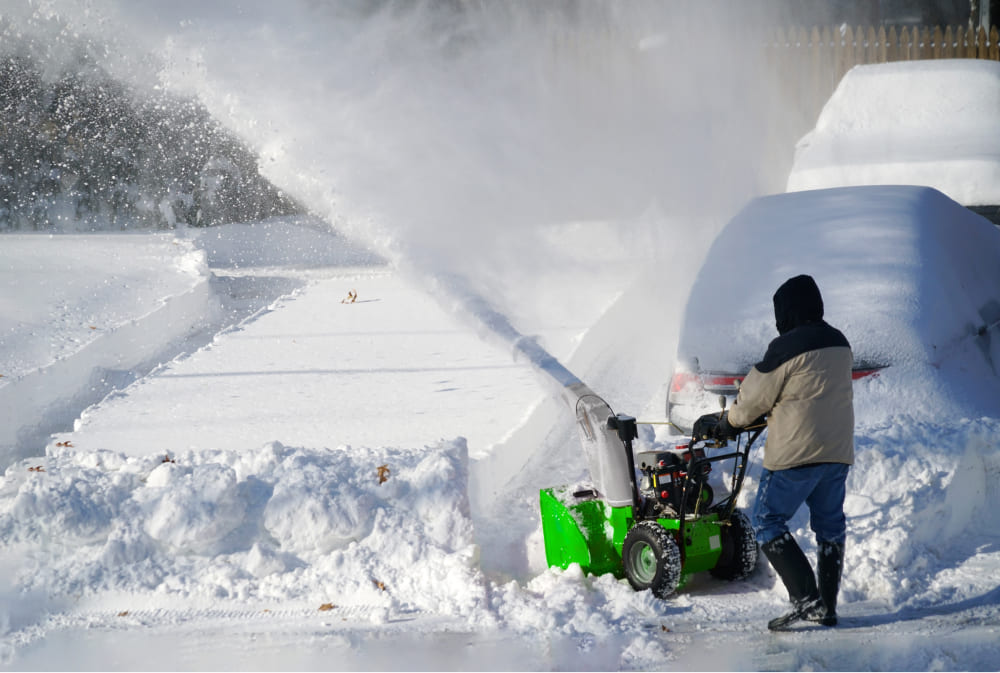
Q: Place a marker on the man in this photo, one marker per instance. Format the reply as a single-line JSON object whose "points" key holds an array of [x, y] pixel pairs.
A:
{"points": [[803, 385]]}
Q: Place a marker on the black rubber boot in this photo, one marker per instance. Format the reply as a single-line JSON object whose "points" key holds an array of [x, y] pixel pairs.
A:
{"points": [[796, 573], [829, 567]]}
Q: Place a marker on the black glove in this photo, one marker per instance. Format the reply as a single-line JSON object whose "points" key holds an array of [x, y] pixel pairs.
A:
{"points": [[705, 427], [723, 430]]}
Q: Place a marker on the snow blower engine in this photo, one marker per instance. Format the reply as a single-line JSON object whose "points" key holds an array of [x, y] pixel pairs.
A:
{"points": [[665, 480], [651, 517]]}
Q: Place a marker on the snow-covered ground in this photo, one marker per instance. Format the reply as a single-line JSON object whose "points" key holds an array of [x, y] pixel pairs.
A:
{"points": [[269, 478]]}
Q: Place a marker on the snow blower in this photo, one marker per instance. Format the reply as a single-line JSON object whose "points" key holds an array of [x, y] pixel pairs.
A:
{"points": [[656, 532]]}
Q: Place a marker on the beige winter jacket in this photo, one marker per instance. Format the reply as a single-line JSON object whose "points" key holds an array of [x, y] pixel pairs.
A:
{"points": [[808, 399]]}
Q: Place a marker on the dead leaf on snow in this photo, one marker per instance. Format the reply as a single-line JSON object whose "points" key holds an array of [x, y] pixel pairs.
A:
{"points": [[123, 613], [37, 468], [168, 459], [326, 607], [66, 444], [383, 473], [380, 585]]}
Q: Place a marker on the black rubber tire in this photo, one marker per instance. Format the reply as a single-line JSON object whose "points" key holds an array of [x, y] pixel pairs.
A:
{"points": [[739, 549], [651, 559]]}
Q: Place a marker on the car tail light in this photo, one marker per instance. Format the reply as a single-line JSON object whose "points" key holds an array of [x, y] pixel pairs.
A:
{"points": [[682, 380], [722, 381]]}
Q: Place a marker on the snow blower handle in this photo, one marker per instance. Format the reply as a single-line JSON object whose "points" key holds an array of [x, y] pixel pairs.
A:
{"points": [[706, 427]]}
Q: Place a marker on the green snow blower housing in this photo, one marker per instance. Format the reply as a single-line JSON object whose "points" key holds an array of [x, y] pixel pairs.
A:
{"points": [[671, 528]]}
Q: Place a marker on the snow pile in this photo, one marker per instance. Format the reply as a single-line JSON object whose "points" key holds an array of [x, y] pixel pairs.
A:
{"points": [[384, 529], [922, 506], [348, 526], [933, 123]]}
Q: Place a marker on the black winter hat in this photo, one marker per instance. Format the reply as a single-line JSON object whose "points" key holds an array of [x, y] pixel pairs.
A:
{"points": [[797, 302]]}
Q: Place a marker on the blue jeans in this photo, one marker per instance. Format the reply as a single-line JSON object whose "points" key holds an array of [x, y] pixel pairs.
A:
{"points": [[821, 487]]}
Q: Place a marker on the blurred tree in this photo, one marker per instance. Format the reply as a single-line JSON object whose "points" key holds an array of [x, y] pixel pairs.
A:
{"points": [[85, 151]]}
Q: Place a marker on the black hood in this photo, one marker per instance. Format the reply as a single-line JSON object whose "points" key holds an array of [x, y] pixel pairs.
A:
{"points": [[797, 302]]}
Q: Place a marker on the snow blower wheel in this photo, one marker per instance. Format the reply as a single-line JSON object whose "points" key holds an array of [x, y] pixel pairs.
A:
{"points": [[739, 549], [652, 559]]}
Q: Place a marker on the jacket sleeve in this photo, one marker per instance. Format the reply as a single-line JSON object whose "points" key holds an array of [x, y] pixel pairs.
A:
{"points": [[758, 394]]}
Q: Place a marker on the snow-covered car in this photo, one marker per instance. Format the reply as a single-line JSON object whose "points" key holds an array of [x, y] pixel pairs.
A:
{"points": [[910, 276], [932, 122]]}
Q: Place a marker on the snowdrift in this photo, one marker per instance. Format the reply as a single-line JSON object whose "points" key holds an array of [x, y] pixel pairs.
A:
{"points": [[922, 506], [271, 523], [81, 314]]}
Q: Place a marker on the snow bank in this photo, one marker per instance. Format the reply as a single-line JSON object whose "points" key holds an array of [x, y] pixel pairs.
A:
{"points": [[922, 506], [349, 526], [286, 527], [933, 123], [82, 313]]}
